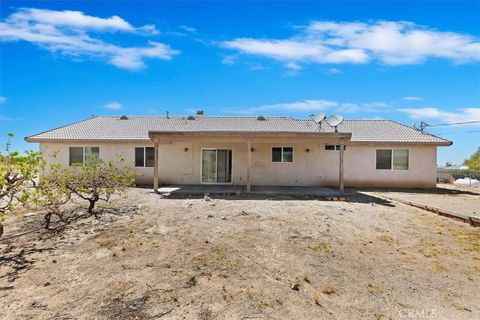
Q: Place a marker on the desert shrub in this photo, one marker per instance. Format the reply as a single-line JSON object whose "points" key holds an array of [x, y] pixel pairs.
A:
{"points": [[52, 192], [460, 174], [17, 178], [97, 180]]}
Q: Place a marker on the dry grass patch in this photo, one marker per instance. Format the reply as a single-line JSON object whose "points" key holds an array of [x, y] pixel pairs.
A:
{"points": [[261, 300], [206, 313], [386, 239], [430, 249], [437, 266], [306, 277], [320, 246], [329, 289], [469, 240], [217, 257]]}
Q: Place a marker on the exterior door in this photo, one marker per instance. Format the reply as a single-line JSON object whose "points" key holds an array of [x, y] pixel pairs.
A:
{"points": [[216, 166]]}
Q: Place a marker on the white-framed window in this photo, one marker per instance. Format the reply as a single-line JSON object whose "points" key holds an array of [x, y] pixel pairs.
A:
{"points": [[334, 147], [282, 154], [144, 157], [80, 155], [392, 159]]}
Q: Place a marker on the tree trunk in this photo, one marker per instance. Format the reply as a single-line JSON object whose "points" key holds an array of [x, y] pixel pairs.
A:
{"points": [[48, 217], [92, 205]]}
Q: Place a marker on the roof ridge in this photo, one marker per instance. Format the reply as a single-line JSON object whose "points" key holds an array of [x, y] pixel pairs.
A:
{"points": [[202, 116]]}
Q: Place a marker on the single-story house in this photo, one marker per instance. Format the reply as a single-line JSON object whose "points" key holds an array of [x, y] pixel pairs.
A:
{"points": [[251, 151]]}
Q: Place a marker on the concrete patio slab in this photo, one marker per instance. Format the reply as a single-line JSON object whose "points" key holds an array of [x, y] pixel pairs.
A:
{"points": [[296, 191], [201, 189], [237, 190]]}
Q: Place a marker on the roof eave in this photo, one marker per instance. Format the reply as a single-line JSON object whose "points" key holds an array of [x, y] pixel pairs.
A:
{"points": [[152, 134], [433, 143], [40, 140]]}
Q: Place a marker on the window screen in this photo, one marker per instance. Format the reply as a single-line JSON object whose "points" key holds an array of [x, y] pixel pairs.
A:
{"points": [[287, 154], [334, 147], [139, 157], [75, 155], [91, 153], [150, 157], [384, 159], [400, 159], [277, 154], [329, 147]]}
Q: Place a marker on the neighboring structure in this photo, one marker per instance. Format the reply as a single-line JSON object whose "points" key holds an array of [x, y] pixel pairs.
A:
{"points": [[276, 151]]}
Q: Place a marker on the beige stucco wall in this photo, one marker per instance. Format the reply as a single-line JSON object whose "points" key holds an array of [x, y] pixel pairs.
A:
{"points": [[318, 167]]}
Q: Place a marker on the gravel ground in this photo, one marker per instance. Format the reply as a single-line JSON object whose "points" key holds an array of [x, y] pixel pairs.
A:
{"points": [[149, 258], [457, 199]]}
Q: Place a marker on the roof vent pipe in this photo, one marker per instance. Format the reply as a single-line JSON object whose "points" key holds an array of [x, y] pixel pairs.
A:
{"points": [[261, 118], [199, 113], [123, 118], [190, 118], [168, 114]]}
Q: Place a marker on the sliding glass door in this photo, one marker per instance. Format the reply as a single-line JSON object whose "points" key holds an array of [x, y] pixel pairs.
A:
{"points": [[216, 166]]}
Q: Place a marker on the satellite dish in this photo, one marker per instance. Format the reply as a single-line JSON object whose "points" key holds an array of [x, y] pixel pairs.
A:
{"points": [[334, 121], [318, 118]]}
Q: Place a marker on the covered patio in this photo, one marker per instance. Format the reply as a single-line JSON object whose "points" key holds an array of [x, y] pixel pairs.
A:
{"points": [[242, 162]]}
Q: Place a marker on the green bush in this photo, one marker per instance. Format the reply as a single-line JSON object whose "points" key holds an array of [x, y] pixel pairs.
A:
{"points": [[460, 174]]}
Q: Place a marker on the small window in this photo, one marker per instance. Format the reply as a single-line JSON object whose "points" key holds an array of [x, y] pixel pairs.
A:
{"points": [[80, 155], [392, 159], [139, 157], [400, 159], [329, 147], [145, 157], [76, 155], [282, 154], [149, 157], [332, 147], [91, 153], [384, 159]]}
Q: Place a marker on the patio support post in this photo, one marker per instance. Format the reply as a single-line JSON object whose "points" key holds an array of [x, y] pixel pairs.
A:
{"points": [[341, 182], [155, 167], [249, 164]]}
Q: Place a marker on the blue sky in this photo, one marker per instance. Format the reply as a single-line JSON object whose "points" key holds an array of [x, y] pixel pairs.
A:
{"points": [[61, 62]]}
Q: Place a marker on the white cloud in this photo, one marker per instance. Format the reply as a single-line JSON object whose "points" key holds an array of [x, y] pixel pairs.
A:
{"points": [[113, 105], [389, 42], [333, 71], [229, 59], [3, 100], [412, 98], [188, 29], [69, 33], [68, 18], [442, 116], [308, 106], [293, 66]]}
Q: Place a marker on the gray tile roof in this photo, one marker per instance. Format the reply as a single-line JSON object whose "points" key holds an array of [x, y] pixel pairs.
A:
{"points": [[111, 128]]}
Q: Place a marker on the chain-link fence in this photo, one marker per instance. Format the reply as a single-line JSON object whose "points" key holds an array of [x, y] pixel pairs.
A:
{"points": [[449, 175]]}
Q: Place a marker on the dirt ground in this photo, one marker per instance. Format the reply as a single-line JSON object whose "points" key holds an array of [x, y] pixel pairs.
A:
{"points": [[150, 258]]}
